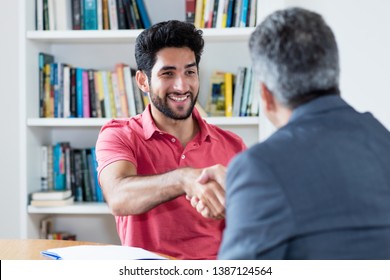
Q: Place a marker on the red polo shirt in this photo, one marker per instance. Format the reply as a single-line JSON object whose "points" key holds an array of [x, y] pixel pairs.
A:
{"points": [[173, 228]]}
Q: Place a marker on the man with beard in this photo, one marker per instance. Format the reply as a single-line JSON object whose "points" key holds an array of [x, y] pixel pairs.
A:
{"points": [[151, 165]]}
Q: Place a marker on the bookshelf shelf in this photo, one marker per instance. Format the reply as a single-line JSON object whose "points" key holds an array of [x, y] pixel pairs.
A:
{"points": [[77, 208], [98, 122], [129, 36]]}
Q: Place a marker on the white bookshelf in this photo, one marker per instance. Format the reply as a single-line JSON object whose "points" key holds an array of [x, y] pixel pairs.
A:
{"points": [[100, 50]]}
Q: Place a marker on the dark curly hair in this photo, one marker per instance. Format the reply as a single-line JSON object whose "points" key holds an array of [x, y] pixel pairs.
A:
{"points": [[172, 33]]}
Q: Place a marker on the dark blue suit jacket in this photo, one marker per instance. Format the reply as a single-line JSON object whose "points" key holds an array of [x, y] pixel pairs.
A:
{"points": [[318, 188]]}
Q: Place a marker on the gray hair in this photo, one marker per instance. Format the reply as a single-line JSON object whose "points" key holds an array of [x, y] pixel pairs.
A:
{"points": [[294, 53]]}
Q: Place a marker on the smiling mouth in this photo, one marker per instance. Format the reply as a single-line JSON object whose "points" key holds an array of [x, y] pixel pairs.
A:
{"points": [[180, 98]]}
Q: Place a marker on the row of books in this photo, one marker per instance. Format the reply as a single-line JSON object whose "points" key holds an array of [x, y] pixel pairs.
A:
{"points": [[221, 13], [75, 92], [70, 171], [91, 14], [234, 94]]}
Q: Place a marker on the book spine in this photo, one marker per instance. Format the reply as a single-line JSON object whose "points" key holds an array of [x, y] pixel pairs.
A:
{"points": [[85, 92], [106, 15], [76, 14], [199, 14], [122, 90], [190, 8], [111, 94], [92, 94], [143, 14], [107, 102], [90, 15], [129, 90], [79, 92], [101, 91], [113, 15], [122, 23], [44, 166], [117, 98], [99, 14], [73, 94], [228, 94]]}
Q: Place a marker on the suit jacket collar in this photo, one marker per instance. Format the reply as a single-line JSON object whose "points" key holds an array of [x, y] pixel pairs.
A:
{"points": [[318, 105]]}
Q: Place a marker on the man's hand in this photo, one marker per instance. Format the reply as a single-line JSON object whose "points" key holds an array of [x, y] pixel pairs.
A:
{"points": [[209, 195]]}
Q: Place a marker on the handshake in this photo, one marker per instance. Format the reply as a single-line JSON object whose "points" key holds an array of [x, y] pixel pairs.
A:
{"points": [[207, 192]]}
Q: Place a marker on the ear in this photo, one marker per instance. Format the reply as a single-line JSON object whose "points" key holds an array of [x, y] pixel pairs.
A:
{"points": [[267, 98], [142, 80]]}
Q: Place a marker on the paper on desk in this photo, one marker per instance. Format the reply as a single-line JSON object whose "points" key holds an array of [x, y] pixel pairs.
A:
{"points": [[103, 252]]}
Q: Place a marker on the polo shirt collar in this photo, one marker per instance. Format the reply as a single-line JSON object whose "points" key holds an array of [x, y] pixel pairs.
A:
{"points": [[149, 126]]}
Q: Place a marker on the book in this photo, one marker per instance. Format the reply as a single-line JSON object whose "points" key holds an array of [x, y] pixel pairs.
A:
{"points": [[122, 89], [190, 7], [86, 95], [44, 171], [66, 91], [106, 15], [117, 98], [90, 15], [79, 92], [229, 94], [143, 14], [129, 14], [43, 59], [52, 203], [76, 14], [122, 22], [51, 195], [238, 89], [39, 15], [199, 19], [93, 103], [128, 80], [63, 15], [245, 94], [216, 101], [113, 14], [99, 87]]}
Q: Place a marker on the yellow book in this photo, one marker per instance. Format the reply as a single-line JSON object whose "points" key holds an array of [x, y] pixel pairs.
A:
{"points": [[228, 94], [100, 93], [49, 98], [199, 20], [122, 90], [111, 94]]}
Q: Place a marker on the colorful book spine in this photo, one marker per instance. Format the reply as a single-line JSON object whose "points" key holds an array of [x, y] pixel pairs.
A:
{"points": [[79, 92], [90, 15], [86, 103], [143, 14]]}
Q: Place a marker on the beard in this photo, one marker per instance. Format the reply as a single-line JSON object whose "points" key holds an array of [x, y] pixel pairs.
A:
{"points": [[162, 105]]}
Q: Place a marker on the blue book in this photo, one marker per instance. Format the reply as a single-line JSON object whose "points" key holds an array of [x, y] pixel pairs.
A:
{"points": [[143, 13], [79, 92], [54, 86], [99, 193], [244, 13], [90, 15], [59, 167], [229, 20]]}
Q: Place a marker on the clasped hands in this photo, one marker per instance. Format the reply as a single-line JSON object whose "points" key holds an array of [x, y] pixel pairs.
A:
{"points": [[208, 192]]}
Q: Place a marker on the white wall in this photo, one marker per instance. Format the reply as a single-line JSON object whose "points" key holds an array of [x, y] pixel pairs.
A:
{"points": [[362, 29], [9, 122]]}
